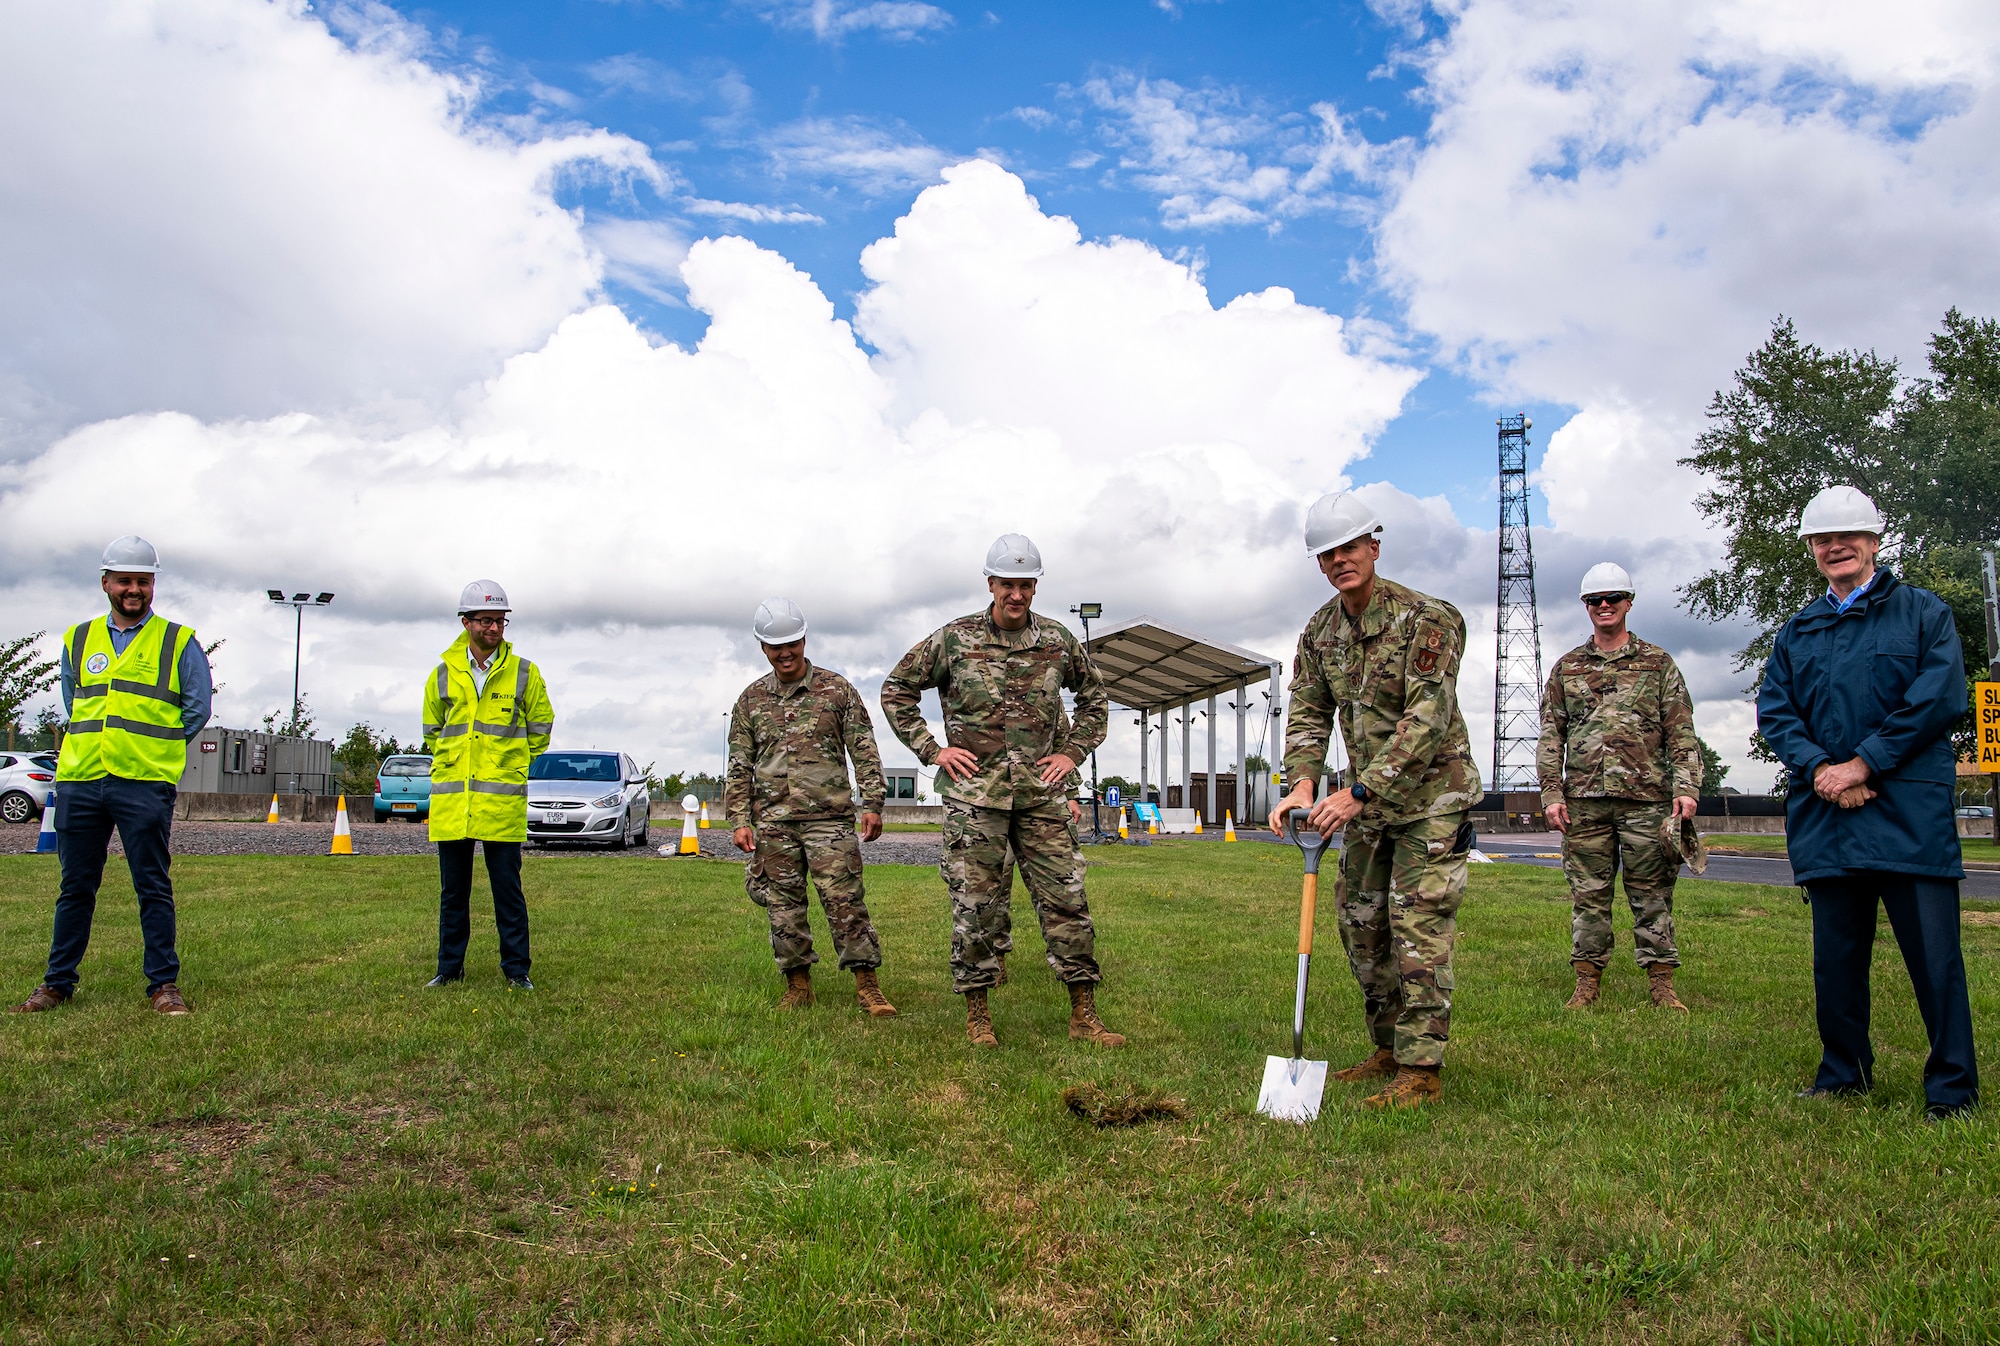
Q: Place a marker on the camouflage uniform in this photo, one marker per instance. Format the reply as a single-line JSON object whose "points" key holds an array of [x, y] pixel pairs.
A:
{"points": [[1002, 698], [1621, 726], [1390, 679], [788, 751]]}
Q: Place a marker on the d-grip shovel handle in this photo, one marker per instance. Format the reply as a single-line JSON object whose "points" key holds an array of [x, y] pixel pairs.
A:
{"points": [[1312, 853]]}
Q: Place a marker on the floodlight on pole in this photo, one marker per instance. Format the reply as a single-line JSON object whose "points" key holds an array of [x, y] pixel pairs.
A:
{"points": [[1088, 613], [298, 603]]}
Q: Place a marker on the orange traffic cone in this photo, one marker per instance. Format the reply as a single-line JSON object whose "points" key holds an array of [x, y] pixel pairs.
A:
{"points": [[273, 815], [1228, 825], [343, 837]]}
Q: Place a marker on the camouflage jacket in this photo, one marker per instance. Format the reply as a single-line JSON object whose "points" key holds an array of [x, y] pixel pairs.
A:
{"points": [[1390, 679], [1002, 696], [788, 751], [1618, 726]]}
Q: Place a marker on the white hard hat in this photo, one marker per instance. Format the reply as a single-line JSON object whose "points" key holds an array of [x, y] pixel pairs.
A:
{"points": [[1606, 577], [1338, 518], [133, 555], [1013, 557], [483, 596], [779, 621], [1840, 509]]}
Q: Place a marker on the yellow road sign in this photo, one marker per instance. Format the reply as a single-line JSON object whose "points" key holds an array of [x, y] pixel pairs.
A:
{"points": [[1986, 716]]}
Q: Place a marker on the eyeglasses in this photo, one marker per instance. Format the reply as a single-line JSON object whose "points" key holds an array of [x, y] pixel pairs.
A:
{"points": [[1605, 600], [485, 621]]}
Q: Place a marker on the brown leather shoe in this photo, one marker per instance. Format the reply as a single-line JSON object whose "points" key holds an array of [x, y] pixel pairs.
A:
{"points": [[978, 1021], [1083, 1020], [868, 994], [798, 989], [45, 998], [1413, 1087], [1380, 1065], [167, 1000], [1662, 978]]}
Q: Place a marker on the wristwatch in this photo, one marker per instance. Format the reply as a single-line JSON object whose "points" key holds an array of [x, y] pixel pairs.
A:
{"points": [[1359, 791]]}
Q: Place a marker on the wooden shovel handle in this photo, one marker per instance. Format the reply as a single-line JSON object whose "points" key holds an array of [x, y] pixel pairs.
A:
{"points": [[1306, 904]]}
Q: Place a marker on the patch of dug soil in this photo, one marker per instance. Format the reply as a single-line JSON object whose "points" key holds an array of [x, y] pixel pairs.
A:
{"points": [[1100, 1108]]}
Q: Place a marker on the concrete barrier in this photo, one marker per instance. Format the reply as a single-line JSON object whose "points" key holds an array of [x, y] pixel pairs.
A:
{"points": [[211, 807]]}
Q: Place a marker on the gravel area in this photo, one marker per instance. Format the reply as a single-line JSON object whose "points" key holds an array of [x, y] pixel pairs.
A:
{"points": [[204, 838]]}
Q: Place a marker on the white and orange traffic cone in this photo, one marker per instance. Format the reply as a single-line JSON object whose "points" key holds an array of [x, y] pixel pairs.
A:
{"points": [[704, 815], [690, 843], [45, 844], [272, 816], [1197, 824], [343, 836], [1122, 833], [1229, 825], [1152, 827]]}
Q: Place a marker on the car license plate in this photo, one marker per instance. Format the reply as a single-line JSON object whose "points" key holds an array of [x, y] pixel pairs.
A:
{"points": [[555, 816], [402, 808]]}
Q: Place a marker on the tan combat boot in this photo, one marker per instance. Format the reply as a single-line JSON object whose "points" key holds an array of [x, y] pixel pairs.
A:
{"points": [[868, 994], [1589, 980], [798, 989], [1001, 980], [978, 1022], [1413, 1087], [1380, 1065], [1083, 1020], [1662, 978]]}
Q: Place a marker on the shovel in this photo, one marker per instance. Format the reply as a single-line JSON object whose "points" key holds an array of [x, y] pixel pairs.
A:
{"points": [[1292, 1088]]}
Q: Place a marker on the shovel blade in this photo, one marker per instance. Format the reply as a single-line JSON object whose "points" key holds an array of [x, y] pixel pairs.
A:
{"points": [[1292, 1089]]}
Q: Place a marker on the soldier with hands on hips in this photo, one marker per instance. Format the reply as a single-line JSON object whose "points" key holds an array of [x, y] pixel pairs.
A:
{"points": [[1620, 768], [1000, 675], [791, 735], [1381, 661]]}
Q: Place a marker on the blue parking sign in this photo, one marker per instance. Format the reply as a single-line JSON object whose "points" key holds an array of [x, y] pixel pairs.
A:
{"points": [[1111, 796]]}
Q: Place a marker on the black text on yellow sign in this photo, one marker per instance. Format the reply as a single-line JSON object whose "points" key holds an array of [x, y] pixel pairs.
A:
{"points": [[1986, 715]]}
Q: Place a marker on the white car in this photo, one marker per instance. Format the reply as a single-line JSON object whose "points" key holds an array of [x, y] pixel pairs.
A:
{"points": [[25, 781], [588, 797]]}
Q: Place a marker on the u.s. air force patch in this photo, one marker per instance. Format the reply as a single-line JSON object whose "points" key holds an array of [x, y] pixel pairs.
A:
{"points": [[1430, 648]]}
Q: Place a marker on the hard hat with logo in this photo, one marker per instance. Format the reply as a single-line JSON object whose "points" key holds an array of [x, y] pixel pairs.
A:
{"points": [[483, 596], [779, 622], [1013, 557], [132, 555], [1337, 519], [1840, 509], [1606, 577]]}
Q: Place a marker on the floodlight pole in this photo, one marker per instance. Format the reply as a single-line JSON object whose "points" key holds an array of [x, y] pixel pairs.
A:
{"points": [[1084, 612], [298, 603]]}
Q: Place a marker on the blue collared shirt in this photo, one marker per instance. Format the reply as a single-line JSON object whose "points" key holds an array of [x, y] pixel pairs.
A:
{"points": [[197, 683], [1843, 604]]}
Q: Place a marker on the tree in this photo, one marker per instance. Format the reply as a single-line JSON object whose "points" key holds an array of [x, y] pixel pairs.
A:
{"points": [[1713, 772], [1799, 419], [298, 722], [23, 677], [359, 757]]}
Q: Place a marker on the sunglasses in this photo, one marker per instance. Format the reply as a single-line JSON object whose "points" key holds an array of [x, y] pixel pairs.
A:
{"points": [[1605, 600]]}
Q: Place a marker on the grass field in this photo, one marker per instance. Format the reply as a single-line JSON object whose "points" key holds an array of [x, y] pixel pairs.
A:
{"points": [[1773, 843], [645, 1151]]}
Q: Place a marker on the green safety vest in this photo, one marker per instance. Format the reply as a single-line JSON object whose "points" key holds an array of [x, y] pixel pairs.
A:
{"points": [[125, 715], [481, 744]]}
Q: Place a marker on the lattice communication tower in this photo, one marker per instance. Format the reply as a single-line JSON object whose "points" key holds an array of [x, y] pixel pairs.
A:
{"points": [[1517, 652]]}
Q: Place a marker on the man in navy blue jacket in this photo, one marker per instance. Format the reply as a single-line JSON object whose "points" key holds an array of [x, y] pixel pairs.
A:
{"points": [[1858, 702]]}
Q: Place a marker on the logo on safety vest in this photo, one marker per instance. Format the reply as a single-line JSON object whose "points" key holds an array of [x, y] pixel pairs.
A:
{"points": [[97, 663]]}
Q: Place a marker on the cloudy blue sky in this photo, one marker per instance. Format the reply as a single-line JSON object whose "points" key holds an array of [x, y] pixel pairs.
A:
{"points": [[649, 310]]}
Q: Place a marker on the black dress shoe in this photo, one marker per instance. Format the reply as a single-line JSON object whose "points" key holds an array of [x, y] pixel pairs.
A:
{"points": [[1946, 1112], [441, 980], [519, 984], [1819, 1091]]}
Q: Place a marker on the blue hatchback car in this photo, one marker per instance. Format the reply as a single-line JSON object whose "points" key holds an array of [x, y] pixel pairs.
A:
{"points": [[403, 788]]}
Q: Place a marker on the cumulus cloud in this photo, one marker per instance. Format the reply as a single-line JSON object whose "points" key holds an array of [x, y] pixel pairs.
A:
{"points": [[638, 498], [224, 208]]}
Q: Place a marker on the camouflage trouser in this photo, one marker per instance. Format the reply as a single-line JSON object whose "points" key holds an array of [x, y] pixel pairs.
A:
{"points": [[1399, 891], [829, 851], [1604, 836], [977, 843]]}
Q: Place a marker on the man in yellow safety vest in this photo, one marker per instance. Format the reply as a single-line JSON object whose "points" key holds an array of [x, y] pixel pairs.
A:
{"points": [[486, 717], [137, 688]]}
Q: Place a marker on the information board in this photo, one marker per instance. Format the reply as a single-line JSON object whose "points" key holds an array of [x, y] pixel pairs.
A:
{"points": [[1986, 717]]}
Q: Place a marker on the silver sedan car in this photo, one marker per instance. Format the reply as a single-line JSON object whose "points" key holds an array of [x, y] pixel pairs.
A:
{"points": [[25, 781], [588, 797]]}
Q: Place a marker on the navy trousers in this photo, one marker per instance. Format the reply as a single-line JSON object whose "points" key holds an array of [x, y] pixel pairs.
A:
{"points": [[87, 811], [1923, 913], [510, 905]]}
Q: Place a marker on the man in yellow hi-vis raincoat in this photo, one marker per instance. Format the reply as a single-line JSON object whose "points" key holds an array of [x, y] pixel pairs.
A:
{"points": [[486, 717]]}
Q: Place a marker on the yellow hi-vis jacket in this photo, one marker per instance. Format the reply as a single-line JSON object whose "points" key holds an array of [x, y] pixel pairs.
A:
{"points": [[125, 715], [481, 745]]}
